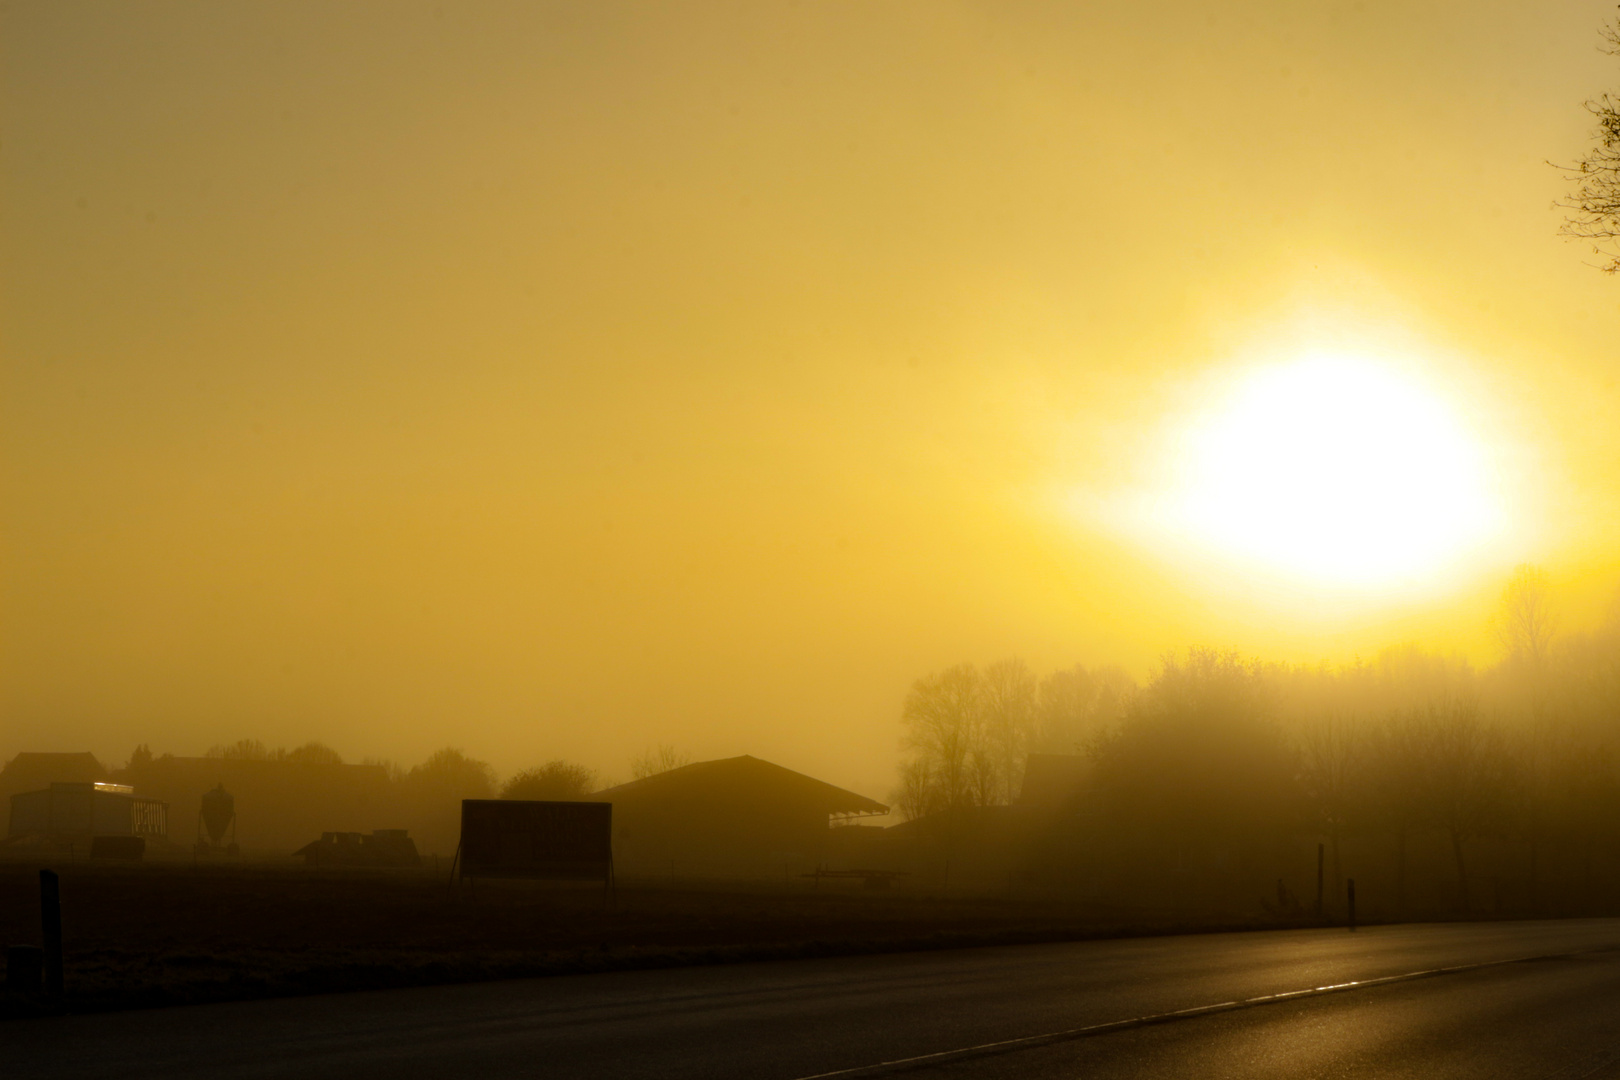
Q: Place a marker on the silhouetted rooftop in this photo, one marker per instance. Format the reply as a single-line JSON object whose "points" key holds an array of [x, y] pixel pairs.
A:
{"points": [[28, 771], [743, 778]]}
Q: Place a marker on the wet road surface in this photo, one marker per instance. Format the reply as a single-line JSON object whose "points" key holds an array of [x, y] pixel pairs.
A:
{"points": [[1480, 1000]]}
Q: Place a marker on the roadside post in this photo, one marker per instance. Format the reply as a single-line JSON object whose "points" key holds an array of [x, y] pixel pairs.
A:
{"points": [[1352, 902], [50, 925]]}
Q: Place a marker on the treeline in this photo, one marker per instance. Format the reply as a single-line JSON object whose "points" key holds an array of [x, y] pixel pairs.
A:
{"points": [[308, 789], [968, 732], [1222, 768], [450, 770]]}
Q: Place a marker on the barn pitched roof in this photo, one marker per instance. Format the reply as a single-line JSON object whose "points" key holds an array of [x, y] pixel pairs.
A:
{"points": [[745, 777], [30, 769]]}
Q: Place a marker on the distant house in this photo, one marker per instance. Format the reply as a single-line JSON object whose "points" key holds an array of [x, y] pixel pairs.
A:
{"points": [[67, 813], [734, 817], [35, 772], [30, 771]]}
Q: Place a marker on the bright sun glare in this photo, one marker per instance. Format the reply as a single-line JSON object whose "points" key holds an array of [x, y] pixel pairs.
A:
{"points": [[1337, 469]]}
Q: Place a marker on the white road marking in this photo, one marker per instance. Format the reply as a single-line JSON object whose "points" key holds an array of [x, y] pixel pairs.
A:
{"points": [[1179, 1014]]}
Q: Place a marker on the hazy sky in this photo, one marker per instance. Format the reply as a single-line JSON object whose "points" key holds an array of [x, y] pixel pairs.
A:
{"points": [[554, 379]]}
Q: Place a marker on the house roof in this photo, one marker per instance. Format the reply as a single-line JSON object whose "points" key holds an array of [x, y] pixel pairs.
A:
{"points": [[743, 778], [34, 770]]}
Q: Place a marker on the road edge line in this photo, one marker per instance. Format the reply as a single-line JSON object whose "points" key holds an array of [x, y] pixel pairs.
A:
{"points": [[1110, 1026]]}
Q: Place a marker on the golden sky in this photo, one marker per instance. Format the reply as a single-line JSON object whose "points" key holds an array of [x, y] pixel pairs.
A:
{"points": [[555, 379]]}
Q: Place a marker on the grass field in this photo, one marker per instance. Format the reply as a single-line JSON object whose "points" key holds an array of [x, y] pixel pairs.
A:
{"points": [[158, 934]]}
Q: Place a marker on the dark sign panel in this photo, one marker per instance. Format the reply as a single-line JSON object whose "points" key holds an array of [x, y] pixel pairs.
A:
{"points": [[522, 838]]}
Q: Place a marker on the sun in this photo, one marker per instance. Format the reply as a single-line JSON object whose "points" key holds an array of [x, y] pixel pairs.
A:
{"points": [[1337, 469]]}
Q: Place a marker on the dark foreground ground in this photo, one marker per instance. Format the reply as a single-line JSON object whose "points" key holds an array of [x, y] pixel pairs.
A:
{"points": [[1534, 1000], [166, 934]]}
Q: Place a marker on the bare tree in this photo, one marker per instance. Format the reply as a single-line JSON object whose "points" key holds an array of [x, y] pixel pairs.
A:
{"points": [[969, 732], [311, 753], [1009, 721], [1525, 620], [1595, 204], [1077, 705], [917, 795], [241, 750], [660, 759], [944, 718]]}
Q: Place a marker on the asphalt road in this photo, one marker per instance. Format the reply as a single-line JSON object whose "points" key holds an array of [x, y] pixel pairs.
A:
{"points": [[1478, 1000]]}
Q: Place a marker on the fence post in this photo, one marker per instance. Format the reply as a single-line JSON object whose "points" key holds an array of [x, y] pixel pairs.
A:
{"points": [[50, 925]]}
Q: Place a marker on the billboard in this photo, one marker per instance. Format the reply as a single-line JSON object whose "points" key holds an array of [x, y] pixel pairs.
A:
{"points": [[523, 838]]}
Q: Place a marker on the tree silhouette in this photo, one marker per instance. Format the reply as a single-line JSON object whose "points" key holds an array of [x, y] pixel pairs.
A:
{"points": [[659, 759], [555, 780], [1008, 699], [1332, 762], [311, 753], [1525, 620], [944, 719], [1467, 776], [241, 750], [1595, 204], [1198, 763], [449, 774], [1076, 705], [917, 796], [1396, 786]]}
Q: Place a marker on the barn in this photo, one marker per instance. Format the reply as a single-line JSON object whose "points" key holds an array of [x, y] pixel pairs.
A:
{"points": [[72, 812], [33, 771], [737, 817]]}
